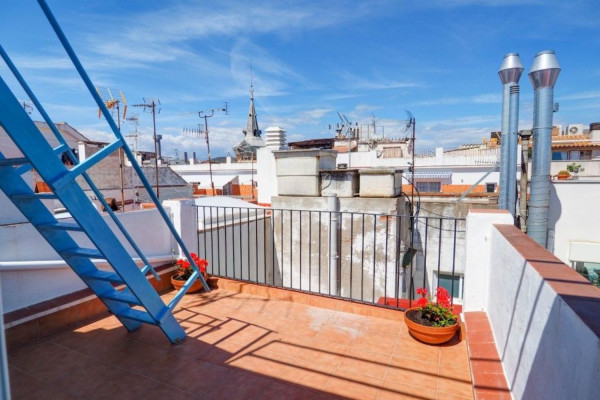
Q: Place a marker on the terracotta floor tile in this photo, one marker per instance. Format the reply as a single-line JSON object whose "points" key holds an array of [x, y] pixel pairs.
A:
{"points": [[393, 390], [454, 373], [487, 367], [491, 394], [337, 334], [353, 386], [484, 351], [168, 392], [446, 396], [124, 386], [373, 365], [269, 365], [199, 377], [375, 343], [305, 376], [453, 386], [87, 381], [281, 391], [411, 348], [478, 325], [238, 386], [489, 381], [480, 336], [414, 372]]}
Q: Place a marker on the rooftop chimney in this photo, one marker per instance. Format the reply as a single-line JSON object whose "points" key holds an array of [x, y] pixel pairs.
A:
{"points": [[510, 73], [543, 75]]}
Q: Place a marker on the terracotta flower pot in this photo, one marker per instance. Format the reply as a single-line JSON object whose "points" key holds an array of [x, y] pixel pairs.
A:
{"points": [[563, 177], [429, 334], [196, 286]]}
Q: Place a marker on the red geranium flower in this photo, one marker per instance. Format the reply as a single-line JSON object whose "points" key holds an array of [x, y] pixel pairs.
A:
{"points": [[438, 312]]}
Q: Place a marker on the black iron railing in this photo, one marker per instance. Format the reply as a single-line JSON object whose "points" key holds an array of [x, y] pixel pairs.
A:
{"points": [[364, 257]]}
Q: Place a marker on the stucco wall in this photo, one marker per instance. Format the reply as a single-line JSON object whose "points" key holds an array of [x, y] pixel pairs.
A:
{"points": [[536, 307]]}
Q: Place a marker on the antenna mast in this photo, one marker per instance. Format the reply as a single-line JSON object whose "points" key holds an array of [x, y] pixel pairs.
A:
{"points": [[208, 114], [112, 103], [151, 104]]}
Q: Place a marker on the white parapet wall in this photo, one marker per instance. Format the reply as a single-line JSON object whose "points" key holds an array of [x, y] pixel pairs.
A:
{"points": [[544, 316], [31, 272]]}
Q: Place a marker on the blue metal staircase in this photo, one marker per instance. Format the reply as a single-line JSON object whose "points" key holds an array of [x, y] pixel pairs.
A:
{"points": [[138, 302]]}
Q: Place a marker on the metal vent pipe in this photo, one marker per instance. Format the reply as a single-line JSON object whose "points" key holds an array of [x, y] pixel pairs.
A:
{"points": [[509, 73], [543, 75], [513, 131]]}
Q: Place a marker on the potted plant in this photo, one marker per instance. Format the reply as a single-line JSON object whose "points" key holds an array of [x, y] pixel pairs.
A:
{"points": [[575, 168], [563, 174], [432, 322], [185, 270]]}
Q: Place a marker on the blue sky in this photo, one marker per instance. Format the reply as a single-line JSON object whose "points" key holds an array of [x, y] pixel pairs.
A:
{"points": [[310, 60]]}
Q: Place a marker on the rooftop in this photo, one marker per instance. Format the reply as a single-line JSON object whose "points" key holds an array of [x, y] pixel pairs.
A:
{"points": [[245, 346]]}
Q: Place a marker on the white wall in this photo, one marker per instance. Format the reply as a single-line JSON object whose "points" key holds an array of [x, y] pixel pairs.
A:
{"points": [[547, 350], [222, 173], [32, 272], [573, 216], [266, 175]]}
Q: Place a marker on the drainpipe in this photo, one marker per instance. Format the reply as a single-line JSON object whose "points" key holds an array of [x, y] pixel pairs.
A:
{"points": [[525, 136], [543, 75], [510, 72], [333, 205]]}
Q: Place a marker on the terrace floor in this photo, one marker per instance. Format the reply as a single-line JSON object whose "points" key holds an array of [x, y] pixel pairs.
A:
{"points": [[243, 346]]}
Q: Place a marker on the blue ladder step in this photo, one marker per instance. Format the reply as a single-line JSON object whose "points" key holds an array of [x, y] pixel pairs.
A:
{"points": [[13, 161], [123, 297], [137, 315], [82, 252], [33, 196], [61, 226], [100, 275]]}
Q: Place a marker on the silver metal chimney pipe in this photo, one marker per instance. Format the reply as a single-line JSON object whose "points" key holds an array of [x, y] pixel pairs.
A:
{"points": [[543, 75], [513, 144], [510, 72]]}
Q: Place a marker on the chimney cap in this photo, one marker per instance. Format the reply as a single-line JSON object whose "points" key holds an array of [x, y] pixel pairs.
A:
{"points": [[544, 70], [511, 68]]}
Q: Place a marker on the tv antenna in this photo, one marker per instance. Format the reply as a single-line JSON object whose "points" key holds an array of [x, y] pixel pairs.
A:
{"points": [[196, 132], [153, 105], [344, 129], [115, 104], [27, 106]]}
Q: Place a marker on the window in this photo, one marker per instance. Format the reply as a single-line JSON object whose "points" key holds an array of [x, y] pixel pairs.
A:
{"points": [[434, 187], [590, 271], [490, 187], [559, 155], [572, 155], [453, 284]]}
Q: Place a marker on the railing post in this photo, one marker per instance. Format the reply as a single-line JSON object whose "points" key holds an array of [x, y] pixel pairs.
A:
{"points": [[333, 206], [185, 220]]}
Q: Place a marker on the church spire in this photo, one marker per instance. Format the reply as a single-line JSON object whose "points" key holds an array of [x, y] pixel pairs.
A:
{"points": [[252, 124]]}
